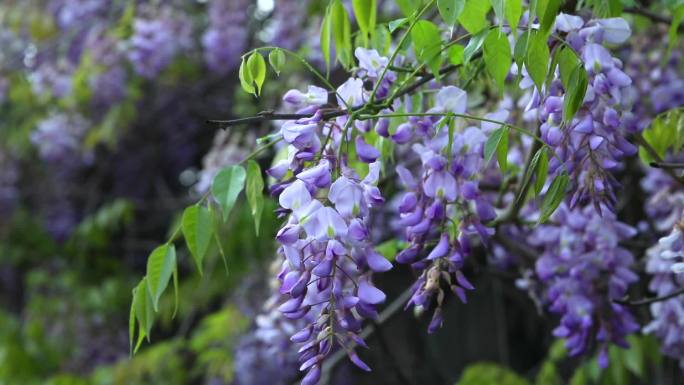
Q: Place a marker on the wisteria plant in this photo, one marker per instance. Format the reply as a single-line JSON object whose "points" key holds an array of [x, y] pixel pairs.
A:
{"points": [[456, 133]]}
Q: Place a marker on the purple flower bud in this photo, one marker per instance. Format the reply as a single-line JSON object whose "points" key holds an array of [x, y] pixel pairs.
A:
{"points": [[313, 376], [357, 361], [291, 305], [437, 320], [382, 127], [289, 234], [278, 170], [302, 335], [294, 97], [436, 211], [408, 203], [365, 151], [403, 134], [357, 230], [318, 176], [441, 248], [408, 255], [377, 262], [324, 268], [369, 294]]}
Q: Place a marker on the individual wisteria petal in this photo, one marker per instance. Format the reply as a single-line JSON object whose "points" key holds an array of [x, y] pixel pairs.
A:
{"points": [[357, 361], [315, 96], [347, 196], [615, 30], [596, 58], [451, 99], [295, 196], [377, 262], [312, 376], [370, 294], [567, 23], [365, 151], [370, 61], [441, 248], [329, 224], [350, 93], [318, 176], [441, 185]]}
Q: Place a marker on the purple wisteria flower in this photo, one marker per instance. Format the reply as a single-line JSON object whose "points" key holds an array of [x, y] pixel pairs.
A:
{"points": [[328, 256], [443, 206], [156, 41], [594, 143], [583, 268]]}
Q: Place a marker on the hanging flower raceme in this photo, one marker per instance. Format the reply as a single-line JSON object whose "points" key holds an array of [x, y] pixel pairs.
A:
{"points": [[593, 144], [328, 257], [443, 206], [666, 265], [583, 269]]}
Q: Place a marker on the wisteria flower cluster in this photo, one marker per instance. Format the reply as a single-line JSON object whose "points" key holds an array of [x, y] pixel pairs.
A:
{"points": [[592, 145], [584, 268]]}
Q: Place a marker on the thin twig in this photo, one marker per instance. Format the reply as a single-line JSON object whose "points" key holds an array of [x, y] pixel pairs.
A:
{"points": [[648, 301], [666, 165], [654, 154], [270, 115], [649, 14]]}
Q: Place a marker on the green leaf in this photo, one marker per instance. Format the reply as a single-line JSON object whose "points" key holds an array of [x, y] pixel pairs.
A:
{"points": [[513, 11], [502, 151], [554, 197], [533, 169], [474, 44], [665, 133], [245, 76], [633, 357], [499, 7], [427, 43], [577, 88], [131, 324], [276, 58], [497, 57], [175, 291], [673, 35], [382, 40], [567, 62], [197, 230], [389, 249], [456, 54], [542, 170], [254, 190], [160, 266], [144, 310], [547, 11], [474, 15], [520, 50], [365, 12], [497, 143], [341, 32], [450, 10], [226, 187], [408, 7], [257, 70], [325, 39], [537, 59], [395, 24], [485, 373]]}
